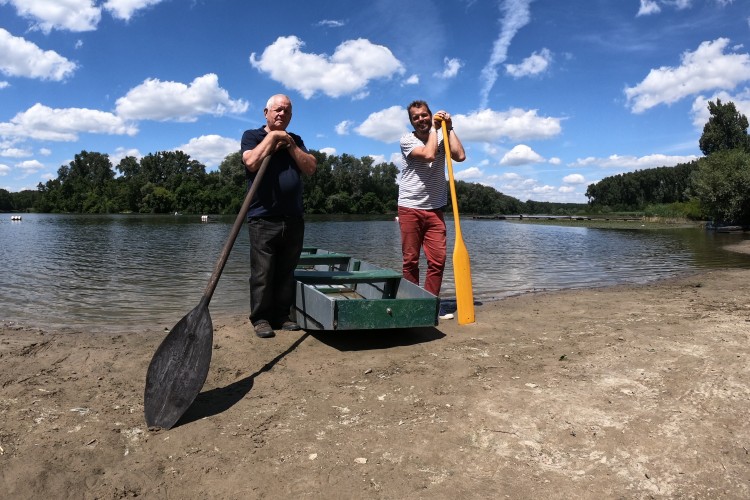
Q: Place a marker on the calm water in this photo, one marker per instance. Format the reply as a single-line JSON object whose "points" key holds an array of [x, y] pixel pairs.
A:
{"points": [[126, 272]]}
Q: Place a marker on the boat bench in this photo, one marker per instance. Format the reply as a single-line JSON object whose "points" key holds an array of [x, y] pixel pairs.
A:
{"points": [[369, 278], [331, 259], [346, 277]]}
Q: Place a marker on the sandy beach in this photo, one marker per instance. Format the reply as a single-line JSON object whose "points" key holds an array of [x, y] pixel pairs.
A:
{"points": [[623, 392]]}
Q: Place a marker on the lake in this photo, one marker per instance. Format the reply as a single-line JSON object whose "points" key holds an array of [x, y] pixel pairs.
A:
{"points": [[144, 272]]}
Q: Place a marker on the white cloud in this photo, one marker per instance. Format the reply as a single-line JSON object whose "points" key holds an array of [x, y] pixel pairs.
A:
{"points": [[554, 161], [4, 85], [536, 63], [451, 68], [628, 163], [348, 71], [412, 80], [165, 101], [331, 23], [75, 15], [648, 7], [4, 169], [469, 174], [121, 153], [390, 124], [542, 189], [574, 179], [343, 127], [44, 123], [387, 125], [124, 9], [705, 69], [30, 166], [524, 188], [19, 57], [328, 151], [515, 124], [210, 149], [700, 112], [377, 159], [70, 15], [15, 153], [521, 155], [516, 15]]}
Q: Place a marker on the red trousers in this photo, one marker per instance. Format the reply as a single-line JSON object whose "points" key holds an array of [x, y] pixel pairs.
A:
{"points": [[423, 229]]}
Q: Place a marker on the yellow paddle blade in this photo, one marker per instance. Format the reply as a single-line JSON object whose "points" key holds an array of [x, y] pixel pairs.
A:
{"points": [[462, 277], [461, 265]]}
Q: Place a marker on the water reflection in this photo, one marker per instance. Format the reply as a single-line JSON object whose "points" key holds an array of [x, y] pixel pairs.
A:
{"points": [[125, 272]]}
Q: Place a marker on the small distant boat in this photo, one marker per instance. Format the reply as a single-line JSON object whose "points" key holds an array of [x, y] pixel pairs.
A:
{"points": [[338, 292], [15, 217]]}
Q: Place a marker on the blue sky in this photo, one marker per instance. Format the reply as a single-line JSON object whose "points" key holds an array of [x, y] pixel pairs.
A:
{"points": [[547, 96]]}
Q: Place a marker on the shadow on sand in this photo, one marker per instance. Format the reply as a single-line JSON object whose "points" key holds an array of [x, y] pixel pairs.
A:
{"points": [[215, 401], [220, 399]]}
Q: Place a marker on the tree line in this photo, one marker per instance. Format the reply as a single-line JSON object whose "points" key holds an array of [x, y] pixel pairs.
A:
{"points": [[170, 181], [714, 187]]}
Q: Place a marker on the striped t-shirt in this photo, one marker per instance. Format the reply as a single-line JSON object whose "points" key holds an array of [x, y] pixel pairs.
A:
{"points": [[423, 184]]}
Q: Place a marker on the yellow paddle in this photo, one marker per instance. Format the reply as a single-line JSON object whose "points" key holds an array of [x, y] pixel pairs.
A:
{"points": [[461, 264]]}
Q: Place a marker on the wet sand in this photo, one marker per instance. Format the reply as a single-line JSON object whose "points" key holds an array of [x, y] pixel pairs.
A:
{"points": [[622, 392]]}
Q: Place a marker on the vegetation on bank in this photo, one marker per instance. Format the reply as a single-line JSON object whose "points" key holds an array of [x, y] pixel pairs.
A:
{"points": [[170, 181], [715, 187]]}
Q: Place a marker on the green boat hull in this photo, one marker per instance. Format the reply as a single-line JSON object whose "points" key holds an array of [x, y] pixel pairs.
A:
{"points": [[338, 292]]}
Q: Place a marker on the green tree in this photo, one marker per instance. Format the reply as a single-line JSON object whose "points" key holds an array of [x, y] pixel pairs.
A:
{"points": [[339, 203], [156, 200], [6, 202], [726, 129], [722, 184], [84, 185]]}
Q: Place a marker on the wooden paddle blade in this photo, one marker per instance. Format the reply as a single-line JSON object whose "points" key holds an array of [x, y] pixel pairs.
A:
{"points": [[462, 277], [178, 369]]}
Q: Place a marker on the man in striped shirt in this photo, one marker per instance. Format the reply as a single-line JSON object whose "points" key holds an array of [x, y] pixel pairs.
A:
{"points": [[422, 194]]}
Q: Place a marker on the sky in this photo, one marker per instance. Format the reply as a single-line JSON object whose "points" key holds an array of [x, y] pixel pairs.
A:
{"points": [[547, 96]]}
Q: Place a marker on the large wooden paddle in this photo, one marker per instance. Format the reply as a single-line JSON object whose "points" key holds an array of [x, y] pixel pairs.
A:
{"points": [[179, 367], [461, 263]]}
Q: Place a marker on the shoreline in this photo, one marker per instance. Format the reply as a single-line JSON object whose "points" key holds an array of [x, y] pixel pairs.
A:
{"points": [[739, 247], [622, 391]]}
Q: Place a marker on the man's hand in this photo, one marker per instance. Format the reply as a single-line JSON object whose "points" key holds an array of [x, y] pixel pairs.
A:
{"points": [[441, 116], [281, 140]]}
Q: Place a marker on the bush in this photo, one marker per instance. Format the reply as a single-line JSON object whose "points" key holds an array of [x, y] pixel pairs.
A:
{"points": [[722, 184]]}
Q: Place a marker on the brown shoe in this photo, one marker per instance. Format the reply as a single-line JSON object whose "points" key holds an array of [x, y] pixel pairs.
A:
{"points": [[263, 329], [290, 326]]}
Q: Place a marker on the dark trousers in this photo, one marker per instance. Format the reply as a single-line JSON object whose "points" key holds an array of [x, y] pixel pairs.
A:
{"points": [[275, 247]]}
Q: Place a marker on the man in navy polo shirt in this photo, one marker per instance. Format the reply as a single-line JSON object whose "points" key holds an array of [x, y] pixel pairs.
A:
{"points": [[275, 218]]}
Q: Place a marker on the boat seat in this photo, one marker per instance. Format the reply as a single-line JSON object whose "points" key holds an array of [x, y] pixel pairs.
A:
{"points": [[312, 259], [343, 277]]}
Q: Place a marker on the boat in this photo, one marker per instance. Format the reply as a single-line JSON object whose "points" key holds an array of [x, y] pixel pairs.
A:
{"points": [[335, 291]]}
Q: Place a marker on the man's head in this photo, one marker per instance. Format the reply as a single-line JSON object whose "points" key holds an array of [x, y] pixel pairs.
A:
{"points": [[420, 116], [278, 112]]}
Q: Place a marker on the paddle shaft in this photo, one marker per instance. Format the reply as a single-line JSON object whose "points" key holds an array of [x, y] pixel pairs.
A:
{"points": [[461, 264], [211, 287]]}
